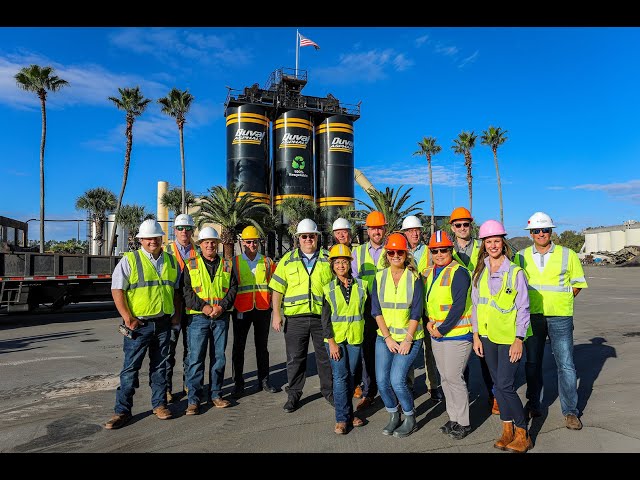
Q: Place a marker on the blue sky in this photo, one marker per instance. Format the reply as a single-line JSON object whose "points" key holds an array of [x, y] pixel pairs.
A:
{"points": [[567, 96]]}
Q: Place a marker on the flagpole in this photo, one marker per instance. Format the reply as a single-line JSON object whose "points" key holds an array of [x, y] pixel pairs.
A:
{"points": [[297, 49]]}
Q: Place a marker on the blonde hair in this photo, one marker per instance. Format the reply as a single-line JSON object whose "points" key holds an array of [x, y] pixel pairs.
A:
{"points": [[477, 272], [408, 263]]}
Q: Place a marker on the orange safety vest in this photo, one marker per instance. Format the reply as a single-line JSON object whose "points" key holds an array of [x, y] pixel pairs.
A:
{"points": [[173, 250], [253, 291]]}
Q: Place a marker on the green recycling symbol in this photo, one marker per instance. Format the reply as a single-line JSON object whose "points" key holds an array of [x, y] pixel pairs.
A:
{"points": [[298, 163]]}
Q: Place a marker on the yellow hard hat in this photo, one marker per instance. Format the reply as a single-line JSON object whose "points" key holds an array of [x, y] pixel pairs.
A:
{"points": [[340, 250], [250, 233]]}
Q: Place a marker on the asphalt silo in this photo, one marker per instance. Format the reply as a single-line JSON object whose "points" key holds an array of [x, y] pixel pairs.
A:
{"points": [[293, 156], [334, 164], [248, 150]]}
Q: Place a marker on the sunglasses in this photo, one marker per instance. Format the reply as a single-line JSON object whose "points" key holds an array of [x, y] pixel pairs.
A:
{"points": [[251, 242], [435, 251], [460, 225], [305, 237], [393, 253], [186, 229], [536, 231]]}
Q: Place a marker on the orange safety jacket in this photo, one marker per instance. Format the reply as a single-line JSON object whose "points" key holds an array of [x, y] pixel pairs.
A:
{"points": [[173, 250], [253, 290]]}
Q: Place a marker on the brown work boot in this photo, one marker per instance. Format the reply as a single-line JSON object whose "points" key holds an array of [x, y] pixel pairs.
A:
{"points": [[162, 412], [193, 409], [220, 403], [366, 402], [357, 393], [117, 421], [357, 422], [495, 409], [341, 428], [521, 442], [508, 433], [573, 422]]}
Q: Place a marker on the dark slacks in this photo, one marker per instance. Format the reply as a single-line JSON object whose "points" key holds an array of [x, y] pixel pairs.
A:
{"points": [[171, 359], [261, 321]]}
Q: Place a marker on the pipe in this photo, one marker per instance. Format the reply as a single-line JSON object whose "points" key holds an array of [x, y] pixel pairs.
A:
{"points": [[361, 180]]}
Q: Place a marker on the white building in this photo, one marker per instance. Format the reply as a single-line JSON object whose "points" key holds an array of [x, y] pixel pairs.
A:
{"points": [[611, 239]]}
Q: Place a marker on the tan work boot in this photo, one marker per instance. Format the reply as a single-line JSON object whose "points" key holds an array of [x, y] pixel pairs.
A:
{"points": [[193, 409], [521, 442], [573, 422], [117, 421], [508, 433], [162, 412], [495, 409], [340, 428]]}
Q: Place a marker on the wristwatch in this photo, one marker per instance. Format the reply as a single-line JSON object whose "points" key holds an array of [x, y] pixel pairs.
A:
{"points": [[521, 338]]}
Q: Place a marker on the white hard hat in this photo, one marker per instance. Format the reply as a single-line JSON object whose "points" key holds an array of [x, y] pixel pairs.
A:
{"points": [[341, 224], [539, 220], [307, 226], [208, 233], [184, 220], [149, 229], [411, 222]]}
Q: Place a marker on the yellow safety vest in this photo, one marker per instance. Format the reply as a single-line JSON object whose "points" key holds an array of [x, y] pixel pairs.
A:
{"points": [[210, 291], [551, 291], [473, 259], [347, 319], [497, 313], [302, 293], [395, 304], [253, 290], [366, 268], [150, 294], [438, 299]]}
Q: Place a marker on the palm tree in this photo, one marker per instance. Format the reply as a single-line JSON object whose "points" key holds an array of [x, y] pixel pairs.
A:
{"points": [[130, 217], [177, 105], [295, 209], [391, 204], [232, 210], [494, 137], [133, 103], [463, 145], [428, 148], [40, 80], [172, 200], [98, 202]]}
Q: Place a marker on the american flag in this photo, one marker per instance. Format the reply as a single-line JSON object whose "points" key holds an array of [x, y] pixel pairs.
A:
{"points": [[306, 42]]}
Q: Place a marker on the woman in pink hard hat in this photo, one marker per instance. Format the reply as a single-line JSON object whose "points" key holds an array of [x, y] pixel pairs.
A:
{"points": [[500, 321]]}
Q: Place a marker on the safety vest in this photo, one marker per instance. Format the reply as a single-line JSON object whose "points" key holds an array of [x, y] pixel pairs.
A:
{"points": [[173, 250], [396, 303], [473, 259], [366, 269], [438, 299], [302, 292], [551, 291], [497, 313], [210, 291], [253, 290], [347, 319], [150, 294]]}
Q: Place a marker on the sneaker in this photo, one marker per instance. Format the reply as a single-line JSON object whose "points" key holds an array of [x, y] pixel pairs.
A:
{"points": [[291, 405], [458, 432], [193, 409], [117, 421], [573, 422], [162, 412], [448, 427], [220, 403]]}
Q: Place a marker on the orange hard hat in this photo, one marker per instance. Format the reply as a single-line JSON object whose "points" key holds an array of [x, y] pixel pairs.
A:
{"points": [[459, 214], [397, 241], [440, 239], [375, 219]]}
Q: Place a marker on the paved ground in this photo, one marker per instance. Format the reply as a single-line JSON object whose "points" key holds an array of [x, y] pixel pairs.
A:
{"points": [[58, 373]]}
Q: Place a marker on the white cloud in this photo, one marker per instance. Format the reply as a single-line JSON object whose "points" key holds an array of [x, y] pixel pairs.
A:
{"points": [[416, 175], [421, 40], [447, 51], [469, 60], [555, 188], [364, 66], [625, 191]]}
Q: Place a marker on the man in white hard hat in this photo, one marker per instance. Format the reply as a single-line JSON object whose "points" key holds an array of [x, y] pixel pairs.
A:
{"points": [[297, 285], [143, 286], [555, 278], [209, 286], [182, 249], [342, 232]]}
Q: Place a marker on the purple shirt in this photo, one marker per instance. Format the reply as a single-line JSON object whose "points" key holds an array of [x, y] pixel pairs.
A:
{"points": [[495, 282], [375, 255]]}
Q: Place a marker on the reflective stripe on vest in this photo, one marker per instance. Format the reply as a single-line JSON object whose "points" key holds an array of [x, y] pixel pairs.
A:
{"points": [[347, 318], [438, 299], [473, 258], [150, 294], [395, 303], [253, 290], [172, 249], [210, 291], [366, 268]]}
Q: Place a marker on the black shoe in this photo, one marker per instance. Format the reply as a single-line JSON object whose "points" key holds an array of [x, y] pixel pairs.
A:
{"points": [[292, 405], [436, 395], [264, 385], [531, 412], [448, 427], [407, 428], [238, 391], [459, 432]]}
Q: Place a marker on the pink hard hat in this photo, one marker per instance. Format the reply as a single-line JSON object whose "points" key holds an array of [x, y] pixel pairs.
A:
{"points": [[491, 228]]}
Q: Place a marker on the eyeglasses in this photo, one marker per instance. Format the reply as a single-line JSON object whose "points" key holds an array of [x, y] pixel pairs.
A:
{"points": [[435, 251], [251, 242], [186, 229], [536, 231], [393, 253], [344, 263], [305, 237], [460, 225]]}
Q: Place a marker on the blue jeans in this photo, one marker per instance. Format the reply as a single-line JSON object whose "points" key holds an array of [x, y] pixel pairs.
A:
{"points": [[203, 332], [391, 376], [343, 374], [560, 332], [153, 336]]}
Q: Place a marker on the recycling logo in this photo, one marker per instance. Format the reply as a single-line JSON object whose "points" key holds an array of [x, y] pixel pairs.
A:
{"points": [[298, 163]]}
